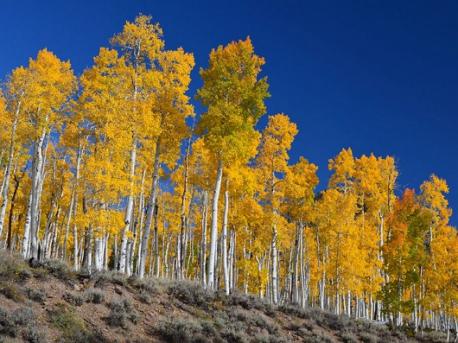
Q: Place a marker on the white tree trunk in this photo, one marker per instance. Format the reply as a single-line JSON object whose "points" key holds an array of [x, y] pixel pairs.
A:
{"points": [[141, 205], [67, 225], [98, 250], [129, 210], [203, 249], [26, 238], [150, 212], [274, 266], [7, 175], [214, 228], [224, 242], [37, 184], [87, 262], [79, 157]]}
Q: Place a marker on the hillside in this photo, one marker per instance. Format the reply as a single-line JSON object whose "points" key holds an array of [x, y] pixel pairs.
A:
{"points": [[50, 303]]}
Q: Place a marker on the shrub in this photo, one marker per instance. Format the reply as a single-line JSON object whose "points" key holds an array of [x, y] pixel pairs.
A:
{"points": [[7, 325], [40, 273], [22, 316], [120, 313], [246, 301], [11, 324], [72, 327], [24, 275], [191, 293], [11, 267], [186, 331], [367, 337], [433, 336], [144, 297], [265, 338], [106, 277], [94, 296], [59, 269], [232, 334], [11, 291], [148, 285], [32, 334], [36, 295], [74, 299], [349, 337], [296, 311]]}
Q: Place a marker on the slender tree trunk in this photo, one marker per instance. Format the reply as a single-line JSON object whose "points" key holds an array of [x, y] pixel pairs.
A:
{"points": [[274, 260], [183, 219], [98, 250], [17, 181], [149, 214], [87, 260], [224, 240], [6, 178], [157, 262], [67, 226], [105, 251], [129, 210], [26, 238], [79, 158], [214, 228], [203, 249], [37, 183]]}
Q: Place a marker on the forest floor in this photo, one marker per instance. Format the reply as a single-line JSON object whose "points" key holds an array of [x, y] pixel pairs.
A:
{"points": [[50, 303]]}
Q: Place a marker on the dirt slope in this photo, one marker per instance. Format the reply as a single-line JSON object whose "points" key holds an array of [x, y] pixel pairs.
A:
{"points": [[49, 303]]}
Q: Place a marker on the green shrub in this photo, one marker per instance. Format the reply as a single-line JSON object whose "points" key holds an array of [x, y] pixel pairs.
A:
{"points": [[59, 269], [11, 291], [191, 293], [94, 296], [349, 337], [186, 331], [120, 313], [106, 277], [246, 301], [7, 325], [22, 316], [144, 297], [73, 299], [149, 285], [36, 295], [12, 268], [32, 334], [368, 337], [19, 320], [72, 328]]}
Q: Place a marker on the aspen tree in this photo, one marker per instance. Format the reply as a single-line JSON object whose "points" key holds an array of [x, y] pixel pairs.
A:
{"points": [[271, 161], [298, 189], [50, 83], [164, 81], [233, 95], [139, 44]]}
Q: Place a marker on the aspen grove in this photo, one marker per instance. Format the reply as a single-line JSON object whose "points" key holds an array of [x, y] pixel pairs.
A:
{"points": [[112, 170]]}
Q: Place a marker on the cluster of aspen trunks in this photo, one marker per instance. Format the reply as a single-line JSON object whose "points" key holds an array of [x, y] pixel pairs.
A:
{"points": [[112, 170]]}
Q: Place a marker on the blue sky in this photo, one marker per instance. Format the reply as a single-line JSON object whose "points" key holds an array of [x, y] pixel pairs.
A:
{"points": [[376, 76]]}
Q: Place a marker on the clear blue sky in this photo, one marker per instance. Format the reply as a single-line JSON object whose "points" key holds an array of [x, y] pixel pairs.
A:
{"points": [[377, 76]]}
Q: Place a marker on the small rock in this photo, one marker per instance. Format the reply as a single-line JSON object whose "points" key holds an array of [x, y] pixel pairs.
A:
{"points": [[118, 290], [76, 287]]}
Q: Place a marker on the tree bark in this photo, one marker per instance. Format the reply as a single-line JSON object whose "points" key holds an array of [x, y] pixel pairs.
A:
{"points": [[214, 228], [79, 158], [6, 178], [150, 211], [129, 210], [37, 186], [203, 249]]}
